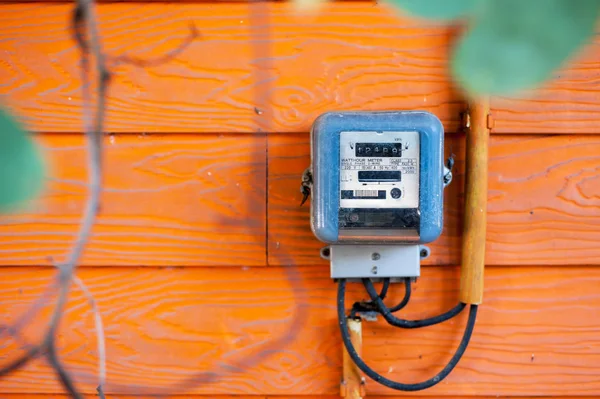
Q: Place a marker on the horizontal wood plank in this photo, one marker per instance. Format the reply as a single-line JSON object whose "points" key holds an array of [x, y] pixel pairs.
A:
{"points": [[242, 75], [167, 200], [544, 202], [536, 332], [258, 67]]}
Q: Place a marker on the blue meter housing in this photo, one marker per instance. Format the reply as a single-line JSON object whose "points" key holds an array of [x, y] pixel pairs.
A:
{"points": [[377, 177]]}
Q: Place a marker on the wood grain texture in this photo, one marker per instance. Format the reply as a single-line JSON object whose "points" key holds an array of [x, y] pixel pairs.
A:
{"points": [[543, 202], [167, 200], [536, 334], [352, 55]]}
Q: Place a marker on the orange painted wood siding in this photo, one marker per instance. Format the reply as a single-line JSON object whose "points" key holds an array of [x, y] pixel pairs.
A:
{"points": [[202, 255], [536, 334], [167, 200], [352, 55], [543, 202], [170, 196]]}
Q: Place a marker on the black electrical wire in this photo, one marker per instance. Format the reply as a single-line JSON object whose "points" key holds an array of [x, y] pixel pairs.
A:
{"points": [[381, 379], [370, 306], [397, 322], [384, 288], [407, 292]]}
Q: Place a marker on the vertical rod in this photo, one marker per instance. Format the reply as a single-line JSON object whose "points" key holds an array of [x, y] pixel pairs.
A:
{"points": [[475, 215], [353, 384]]}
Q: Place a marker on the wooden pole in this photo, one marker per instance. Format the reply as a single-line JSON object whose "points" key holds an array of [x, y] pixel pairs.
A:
{"points": [[353, 384], [475, 216]]}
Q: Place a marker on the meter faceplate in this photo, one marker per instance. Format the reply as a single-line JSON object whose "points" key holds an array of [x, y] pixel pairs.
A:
{"points": [[379, 184], [374, 164], [340, 213]]}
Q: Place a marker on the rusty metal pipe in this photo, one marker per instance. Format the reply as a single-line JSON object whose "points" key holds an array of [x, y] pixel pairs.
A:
{"points": [[475, 211]]}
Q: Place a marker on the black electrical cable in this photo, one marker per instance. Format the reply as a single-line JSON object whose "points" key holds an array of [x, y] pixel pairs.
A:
{"points": [[363, 307], [381, 379], [407, 292], [384, 289], [370, 306], [397, 322]]}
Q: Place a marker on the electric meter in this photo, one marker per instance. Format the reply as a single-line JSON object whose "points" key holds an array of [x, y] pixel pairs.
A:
{"points": [[376, 184], [377, 190]]}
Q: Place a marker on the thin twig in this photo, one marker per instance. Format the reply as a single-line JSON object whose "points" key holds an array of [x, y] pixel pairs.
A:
{"points": [[83, 16], [80, 15], [21, 361], [15, 334], [63, 375], [100, 392], [34, 351], [218, 372], [29, 314], [99, 327], [152, 62], [86, 35]]}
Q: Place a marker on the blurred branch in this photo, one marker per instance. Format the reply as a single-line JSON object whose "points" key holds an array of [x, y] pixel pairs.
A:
{"points": [[152, 62], [85, 32], [86, 35], [99, 326], [21, 361]]}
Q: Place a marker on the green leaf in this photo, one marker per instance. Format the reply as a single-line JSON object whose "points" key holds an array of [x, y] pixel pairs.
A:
{"points": [[515, 45], [21, 165], [436, 9]]}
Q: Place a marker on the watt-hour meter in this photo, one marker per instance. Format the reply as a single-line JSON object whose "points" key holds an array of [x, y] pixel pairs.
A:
{"points": [[377, 190], [376, 182]]}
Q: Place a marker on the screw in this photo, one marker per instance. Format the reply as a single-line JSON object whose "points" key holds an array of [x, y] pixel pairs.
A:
{"points": [[375, 256], [374, 270], [326, 252]]}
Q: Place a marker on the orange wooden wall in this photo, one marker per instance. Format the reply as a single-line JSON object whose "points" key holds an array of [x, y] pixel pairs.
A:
{"points": [[202, 256]]}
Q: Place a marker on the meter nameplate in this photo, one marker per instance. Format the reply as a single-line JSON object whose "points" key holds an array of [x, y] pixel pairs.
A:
{"points": [[379, 170]]}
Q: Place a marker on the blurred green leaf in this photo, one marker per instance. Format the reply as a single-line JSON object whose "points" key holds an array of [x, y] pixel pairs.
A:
{"points": [[436, 9], [21, 164], [517, 44]]}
